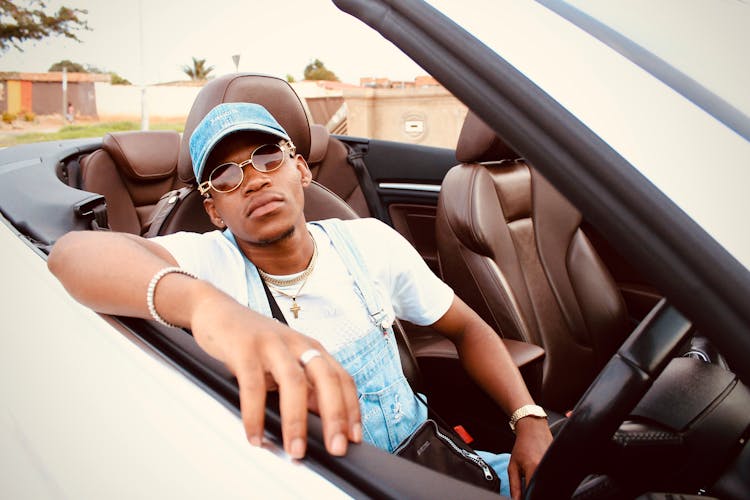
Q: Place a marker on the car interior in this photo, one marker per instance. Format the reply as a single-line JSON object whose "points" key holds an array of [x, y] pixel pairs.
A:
{"points": [[518, 252]]}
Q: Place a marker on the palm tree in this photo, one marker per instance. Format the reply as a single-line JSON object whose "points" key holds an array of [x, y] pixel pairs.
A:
{"points": [[198, 71]]}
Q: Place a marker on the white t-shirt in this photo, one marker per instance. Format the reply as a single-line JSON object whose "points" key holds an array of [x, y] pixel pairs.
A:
{"points": [[331, 312]]}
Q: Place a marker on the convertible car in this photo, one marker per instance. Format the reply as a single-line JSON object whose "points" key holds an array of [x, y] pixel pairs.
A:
{"points": [[591, 212]]}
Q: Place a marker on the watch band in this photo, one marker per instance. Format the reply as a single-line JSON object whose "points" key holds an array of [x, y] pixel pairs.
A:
{"points": [[525, 411]]}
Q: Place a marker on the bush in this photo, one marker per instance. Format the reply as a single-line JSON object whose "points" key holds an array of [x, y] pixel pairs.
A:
{"points": [[9, 117], [116, 79], [29, 116]]}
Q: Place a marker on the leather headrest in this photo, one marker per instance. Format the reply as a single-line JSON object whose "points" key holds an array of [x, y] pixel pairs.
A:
{"points": [[144, 156], [478, 142], [275, 94], [318, 143]]}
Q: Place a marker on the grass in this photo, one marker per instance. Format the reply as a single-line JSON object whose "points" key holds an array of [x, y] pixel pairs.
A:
{"points": [[82, 131]]}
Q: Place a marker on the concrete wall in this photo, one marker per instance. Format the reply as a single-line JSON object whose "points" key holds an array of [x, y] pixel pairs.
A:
{"points": [[423, 115], [47, 98], [430, 116], [163, 101]]}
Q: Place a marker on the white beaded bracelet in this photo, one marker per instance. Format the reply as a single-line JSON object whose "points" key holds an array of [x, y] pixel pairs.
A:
{"points": [[152, 288]]}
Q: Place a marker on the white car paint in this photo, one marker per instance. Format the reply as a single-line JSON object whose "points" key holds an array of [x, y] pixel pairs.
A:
{"points": [[84, 407]]}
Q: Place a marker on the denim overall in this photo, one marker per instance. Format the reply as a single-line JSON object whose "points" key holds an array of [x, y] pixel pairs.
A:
{"points": [[390, 410]]}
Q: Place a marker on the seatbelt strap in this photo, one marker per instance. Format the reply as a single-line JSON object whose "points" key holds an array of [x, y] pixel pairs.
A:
{"points": [[73, 173], [93, 209], [164, 207], [275, 309], [355, 157]]}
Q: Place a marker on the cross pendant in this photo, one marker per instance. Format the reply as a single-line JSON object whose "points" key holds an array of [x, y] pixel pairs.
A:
{"points": [[295, 308]]}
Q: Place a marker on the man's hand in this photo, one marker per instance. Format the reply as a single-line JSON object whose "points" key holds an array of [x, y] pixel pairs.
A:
{"points": [[261, 351], [532, 440]]}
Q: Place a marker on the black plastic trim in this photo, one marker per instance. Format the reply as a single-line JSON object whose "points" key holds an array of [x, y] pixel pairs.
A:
{"points": [[416, 163], [34, 199]]}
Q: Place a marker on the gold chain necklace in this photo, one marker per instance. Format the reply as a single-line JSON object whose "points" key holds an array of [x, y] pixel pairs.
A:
{"points": [[276, 283], [271, 280]]}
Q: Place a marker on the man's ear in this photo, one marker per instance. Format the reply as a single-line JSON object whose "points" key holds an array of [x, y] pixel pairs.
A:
{"points": [[304, 170], [210, 206]]}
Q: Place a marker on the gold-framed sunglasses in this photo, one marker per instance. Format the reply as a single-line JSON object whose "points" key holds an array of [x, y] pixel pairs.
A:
{"points": [[229, 176]]}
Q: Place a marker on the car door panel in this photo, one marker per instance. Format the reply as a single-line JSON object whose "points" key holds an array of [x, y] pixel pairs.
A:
{"points": [[407, 179]]}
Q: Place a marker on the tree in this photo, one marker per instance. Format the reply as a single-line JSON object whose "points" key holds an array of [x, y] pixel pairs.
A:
{"points": [[90, 68], [290, 78], [198, 71], [68, 65], [316, 70], [19, 24], [117, 79]]}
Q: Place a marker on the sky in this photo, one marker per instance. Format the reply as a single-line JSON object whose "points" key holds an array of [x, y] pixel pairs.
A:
{"points": [[272, 37]]}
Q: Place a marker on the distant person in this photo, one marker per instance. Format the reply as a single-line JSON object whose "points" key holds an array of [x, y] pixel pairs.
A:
{"points": [[71, 113]]}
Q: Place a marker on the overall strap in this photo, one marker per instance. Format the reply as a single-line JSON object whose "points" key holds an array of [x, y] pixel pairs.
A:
{"points": [[256, 295], [355, 264]]}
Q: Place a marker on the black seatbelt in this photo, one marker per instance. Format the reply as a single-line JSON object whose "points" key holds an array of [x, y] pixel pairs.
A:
{"points": [[94, 210], [163, 209], [73, 173], [355, 157], [275, 310]]}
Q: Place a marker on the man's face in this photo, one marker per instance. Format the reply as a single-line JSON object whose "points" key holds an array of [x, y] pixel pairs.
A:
{"points": [[267, 206]]}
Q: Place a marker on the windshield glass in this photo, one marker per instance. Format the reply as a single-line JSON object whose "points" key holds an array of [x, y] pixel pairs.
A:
{"points": [[675, 137], [713, 39]]}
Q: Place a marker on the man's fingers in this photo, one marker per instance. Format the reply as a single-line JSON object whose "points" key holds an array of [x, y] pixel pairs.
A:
{"points": [[351, 400], [251, 380], [276, 359], [515, 480], [330, 401], [292, 381]]}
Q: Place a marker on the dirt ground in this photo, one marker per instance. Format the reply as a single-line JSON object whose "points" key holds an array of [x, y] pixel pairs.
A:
{"points": [[53, 123], [46, 123], [50, 124]]}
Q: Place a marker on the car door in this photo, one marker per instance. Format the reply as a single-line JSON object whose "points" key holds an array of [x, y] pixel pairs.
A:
{"points": [[406, 178]]}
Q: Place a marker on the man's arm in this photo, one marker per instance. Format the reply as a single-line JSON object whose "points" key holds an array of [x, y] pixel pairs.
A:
{"points": [[488, 362], [110, 273]]}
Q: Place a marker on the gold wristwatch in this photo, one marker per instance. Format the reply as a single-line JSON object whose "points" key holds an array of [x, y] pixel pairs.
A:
{"points": [[526, 411]]}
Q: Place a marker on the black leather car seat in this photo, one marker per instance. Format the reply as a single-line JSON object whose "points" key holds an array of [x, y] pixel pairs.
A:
{"points": [[511, 246]]}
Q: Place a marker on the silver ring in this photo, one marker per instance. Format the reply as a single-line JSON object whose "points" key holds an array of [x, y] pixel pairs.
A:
{"points": [[308, 356]]}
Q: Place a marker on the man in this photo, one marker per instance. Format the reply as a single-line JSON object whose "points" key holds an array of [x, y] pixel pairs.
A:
{"points": [[329, 279]]}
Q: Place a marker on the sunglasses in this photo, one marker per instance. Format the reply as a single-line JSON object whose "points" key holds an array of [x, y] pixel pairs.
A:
{"points": [[229, 176]]}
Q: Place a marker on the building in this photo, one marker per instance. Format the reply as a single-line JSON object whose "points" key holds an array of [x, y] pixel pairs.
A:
{"points": [[42, 93]]}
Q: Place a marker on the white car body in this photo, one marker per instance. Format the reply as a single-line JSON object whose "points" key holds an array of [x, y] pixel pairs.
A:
{"points": [[91, 413]]}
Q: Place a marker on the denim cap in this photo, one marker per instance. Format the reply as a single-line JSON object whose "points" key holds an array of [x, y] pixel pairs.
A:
{"points": [[225, 119]]}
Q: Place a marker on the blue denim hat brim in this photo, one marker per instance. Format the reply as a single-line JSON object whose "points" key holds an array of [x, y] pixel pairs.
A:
{"points": [[225, 119]]}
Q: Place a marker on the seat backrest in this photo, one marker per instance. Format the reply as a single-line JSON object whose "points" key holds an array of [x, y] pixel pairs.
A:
{"points": [[275, 94], [511, 246], [330, 167], [132, 171]]}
